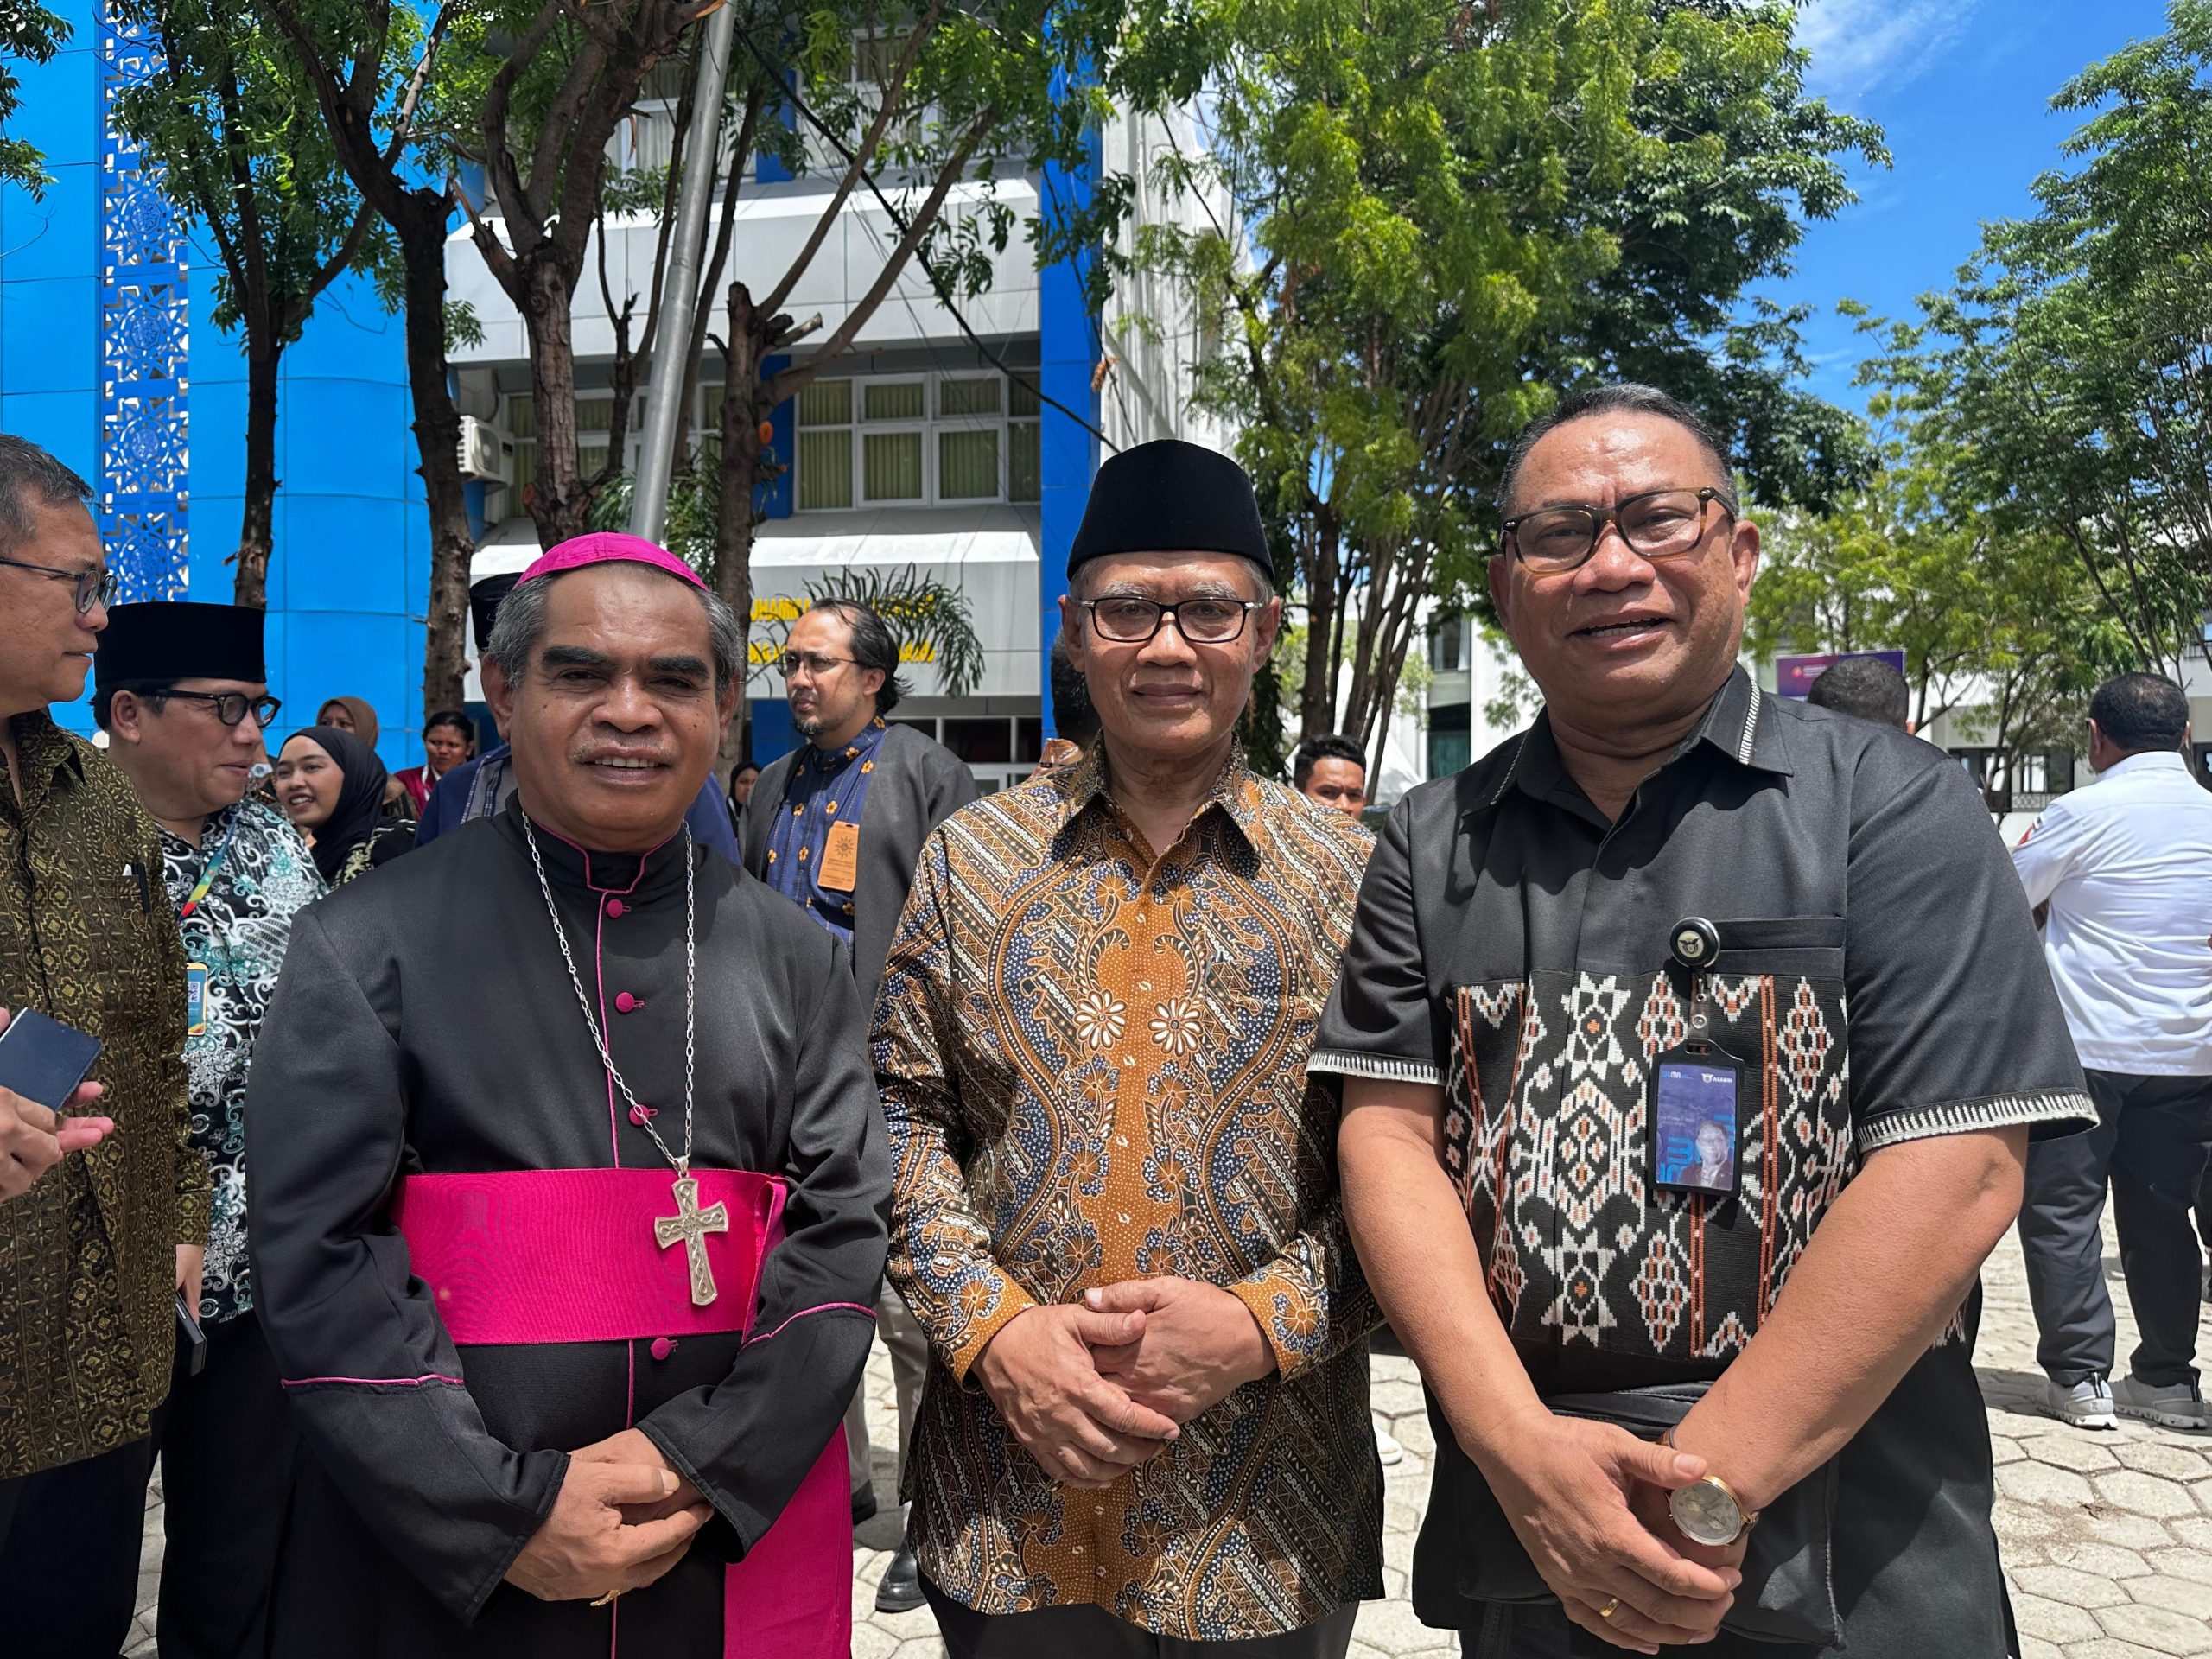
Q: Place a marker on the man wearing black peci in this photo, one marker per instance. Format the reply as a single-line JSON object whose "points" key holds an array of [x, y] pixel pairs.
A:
{"points": [[1678, 913]]}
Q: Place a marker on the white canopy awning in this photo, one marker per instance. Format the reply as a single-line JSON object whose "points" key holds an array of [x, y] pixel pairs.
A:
{"points": [[989, 553]]}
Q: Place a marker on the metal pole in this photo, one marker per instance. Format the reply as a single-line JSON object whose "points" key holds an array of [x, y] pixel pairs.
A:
{"points": [[702, 144]]}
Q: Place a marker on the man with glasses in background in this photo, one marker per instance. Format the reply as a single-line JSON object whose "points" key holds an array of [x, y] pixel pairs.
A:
{"points": [[1114, 1194], [837, 827], [98, 1249], [182, 693]]}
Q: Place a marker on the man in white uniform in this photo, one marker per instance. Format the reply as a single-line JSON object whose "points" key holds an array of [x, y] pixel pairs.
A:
{"points": [[2126, 867]]}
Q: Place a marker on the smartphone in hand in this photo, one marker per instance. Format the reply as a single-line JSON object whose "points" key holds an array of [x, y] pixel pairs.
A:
{"points": [[43, 1060]]}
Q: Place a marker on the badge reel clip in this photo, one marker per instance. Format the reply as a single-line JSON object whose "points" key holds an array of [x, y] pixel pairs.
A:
{"points": [[1696, 1088]]}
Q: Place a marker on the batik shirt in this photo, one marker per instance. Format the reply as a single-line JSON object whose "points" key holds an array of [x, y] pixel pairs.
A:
{"points": [[827, 788], [1093, 1061], [1879, 981], [237, 932], [88, 1294]]}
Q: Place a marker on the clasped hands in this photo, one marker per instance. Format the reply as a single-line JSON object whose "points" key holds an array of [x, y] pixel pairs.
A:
{"points": [[1095, 1387], [622, 1519], [1589, 1502]]}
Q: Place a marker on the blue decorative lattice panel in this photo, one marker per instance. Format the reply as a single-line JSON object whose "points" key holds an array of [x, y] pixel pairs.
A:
{"points": [[145, 327]]}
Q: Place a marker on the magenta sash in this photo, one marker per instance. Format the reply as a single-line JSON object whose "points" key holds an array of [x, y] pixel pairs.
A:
{"points": [[568, 1256]]}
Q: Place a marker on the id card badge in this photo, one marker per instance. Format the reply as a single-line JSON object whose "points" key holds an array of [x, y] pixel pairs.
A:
{"points": [[840, 858], [1697, 1086], [1697, 1090], [196, 998]]}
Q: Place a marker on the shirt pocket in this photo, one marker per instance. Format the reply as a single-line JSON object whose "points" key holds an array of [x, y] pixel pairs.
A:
{"points": [[1777, 997]]}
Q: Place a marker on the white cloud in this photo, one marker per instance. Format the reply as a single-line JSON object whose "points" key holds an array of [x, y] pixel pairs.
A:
{"points": [[1860, 47]]}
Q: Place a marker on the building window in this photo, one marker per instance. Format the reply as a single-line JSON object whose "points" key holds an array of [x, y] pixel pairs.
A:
{"points": [[892, 441], [1447, 646], [935, 438], [1024, 437], [825, 445], [1451, 739], [594, 423]]}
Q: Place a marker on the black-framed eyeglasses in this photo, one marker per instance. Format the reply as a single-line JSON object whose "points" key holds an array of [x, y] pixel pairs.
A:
{"points": [[232, 707], [812, 661], [1658, 523], [93, 587], [1128, 619]]}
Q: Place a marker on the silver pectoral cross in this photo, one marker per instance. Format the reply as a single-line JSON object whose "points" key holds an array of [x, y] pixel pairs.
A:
{"points": [[691, 1224]]}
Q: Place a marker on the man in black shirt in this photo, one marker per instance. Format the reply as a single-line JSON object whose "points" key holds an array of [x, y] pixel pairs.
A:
{"points": [[1675, 901]]}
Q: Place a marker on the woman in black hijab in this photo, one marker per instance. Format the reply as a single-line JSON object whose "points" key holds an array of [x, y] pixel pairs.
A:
{"points": [[332, 786]]}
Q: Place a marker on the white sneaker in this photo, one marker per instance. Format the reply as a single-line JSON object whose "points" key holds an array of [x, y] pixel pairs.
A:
{"points": [[1386, 1448], [2085, 1405], [2178, 1405]]}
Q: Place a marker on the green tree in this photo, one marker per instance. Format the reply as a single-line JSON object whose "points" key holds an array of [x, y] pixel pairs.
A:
{"points": [[379, 74], [1999, 629], [1461, 212], [28, 31], [2069, 369], [241, 148], [916, 119]]}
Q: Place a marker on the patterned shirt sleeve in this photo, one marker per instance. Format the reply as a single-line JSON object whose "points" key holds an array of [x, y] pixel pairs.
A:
{"points": [[941, 1259], [1954, 1024], [1311, 1298], [1381, 1021]]}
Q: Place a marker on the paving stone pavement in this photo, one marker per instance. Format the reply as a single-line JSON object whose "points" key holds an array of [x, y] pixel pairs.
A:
{"points": [[2107, 1536]]}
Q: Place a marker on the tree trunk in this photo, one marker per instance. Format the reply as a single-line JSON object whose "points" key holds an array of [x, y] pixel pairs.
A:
{"points": [[558, 501], [257, 537], [739, 471], [437, 438], [1317, 710]]}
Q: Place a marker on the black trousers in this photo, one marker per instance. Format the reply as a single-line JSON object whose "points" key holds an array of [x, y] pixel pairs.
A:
{"points": [[69, 1562], [2151, 1142], [1089, 1632], [69, 1558], [226, 1443]]}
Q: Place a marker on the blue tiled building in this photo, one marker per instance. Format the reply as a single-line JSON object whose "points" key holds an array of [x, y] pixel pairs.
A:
{"points": [[109, 359]]}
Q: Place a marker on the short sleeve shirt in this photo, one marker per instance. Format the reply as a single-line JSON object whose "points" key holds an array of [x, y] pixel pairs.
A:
{"points": [[1879, 976]]}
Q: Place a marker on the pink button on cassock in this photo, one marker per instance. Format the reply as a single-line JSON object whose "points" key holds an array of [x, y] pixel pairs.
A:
{"points": [[623, 1002], [615, 907], [662, 1347], [638, 1115]]}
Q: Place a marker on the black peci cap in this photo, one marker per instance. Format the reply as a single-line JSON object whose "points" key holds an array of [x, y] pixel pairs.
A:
{"points": [[1170, 497], [180, 639]]}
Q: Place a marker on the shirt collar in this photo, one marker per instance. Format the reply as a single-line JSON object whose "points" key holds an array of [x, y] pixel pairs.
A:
{"points": [[43, 752], [860, 748], [1236, 793], [212, 831], [1736, 722], [2153, 760], [625, 875]]}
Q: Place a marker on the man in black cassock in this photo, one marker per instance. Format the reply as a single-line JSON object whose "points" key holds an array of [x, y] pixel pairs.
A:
{"points": [[569, 1190]]}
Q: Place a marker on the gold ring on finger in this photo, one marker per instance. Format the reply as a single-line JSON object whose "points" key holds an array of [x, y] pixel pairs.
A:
{"points": [[606, 1600], [1612, 1606]]}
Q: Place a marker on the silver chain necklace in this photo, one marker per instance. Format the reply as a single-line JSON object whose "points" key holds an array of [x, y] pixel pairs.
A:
{"points": [[683, 1164], [689, 1224]]}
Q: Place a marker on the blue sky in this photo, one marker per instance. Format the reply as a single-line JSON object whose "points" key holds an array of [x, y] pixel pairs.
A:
{"points": [[1962, 88]]}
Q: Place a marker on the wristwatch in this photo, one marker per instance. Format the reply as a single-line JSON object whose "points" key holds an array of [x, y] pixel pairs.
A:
{"points": [[1707, 1510]]}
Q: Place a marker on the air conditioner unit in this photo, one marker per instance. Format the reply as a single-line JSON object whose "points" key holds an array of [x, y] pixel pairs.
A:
{"points": [[485, 452]]}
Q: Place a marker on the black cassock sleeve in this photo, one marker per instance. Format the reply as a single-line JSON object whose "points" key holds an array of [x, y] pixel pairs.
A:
{"points": [[748, 1441], [376, 1382]]}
